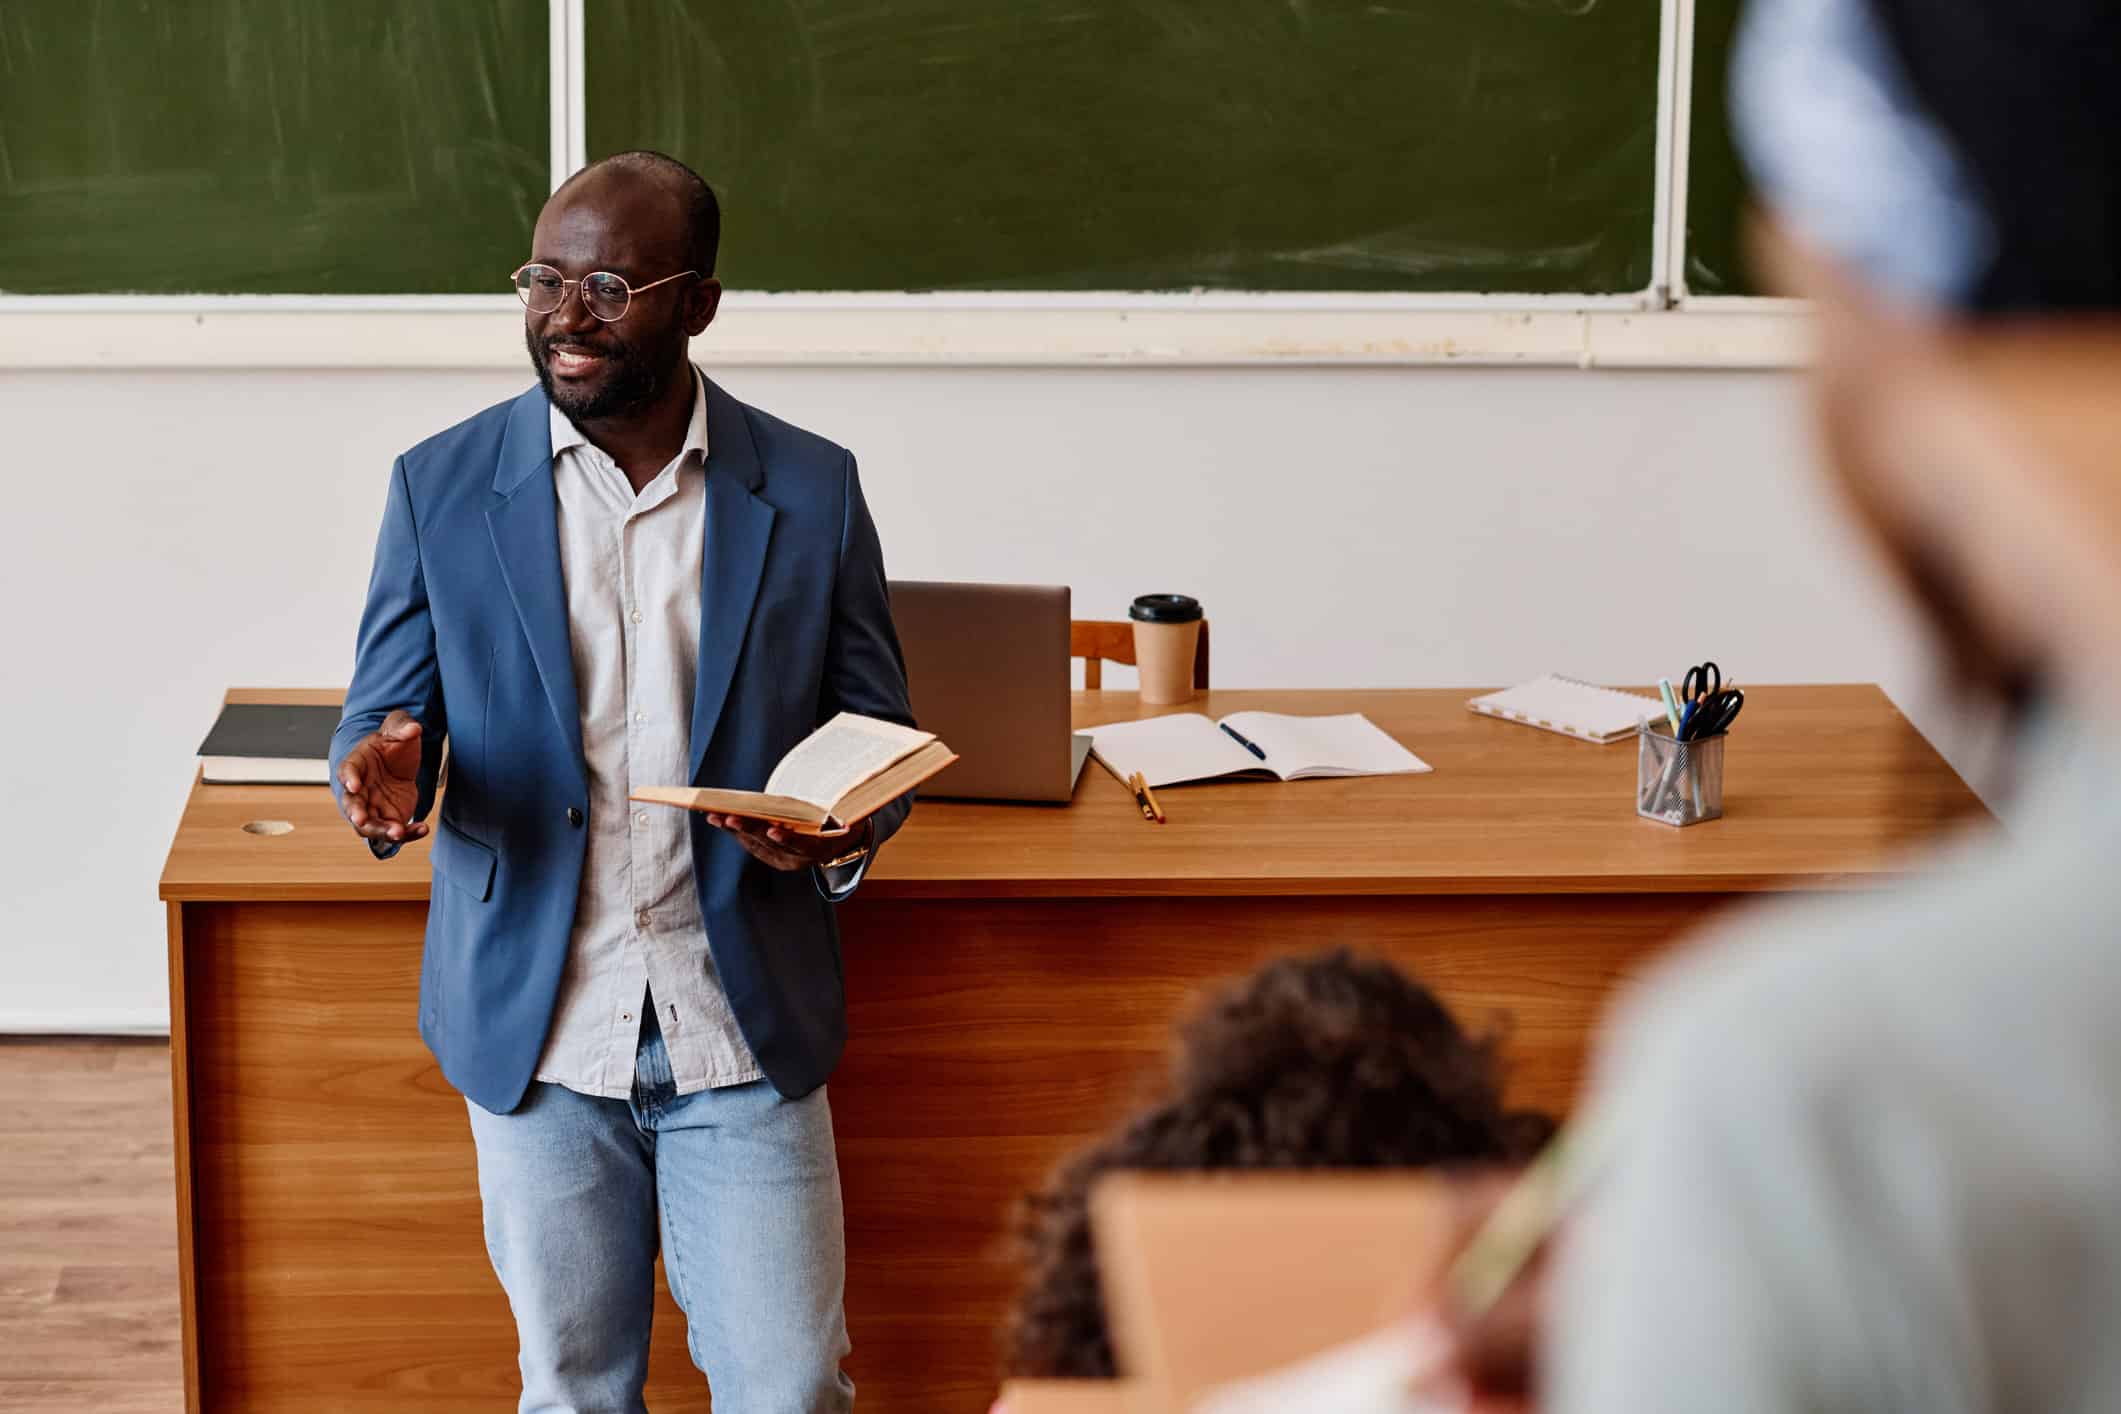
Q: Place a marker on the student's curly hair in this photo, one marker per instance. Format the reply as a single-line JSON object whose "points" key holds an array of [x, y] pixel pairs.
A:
{"points": [[1326, 1061]]}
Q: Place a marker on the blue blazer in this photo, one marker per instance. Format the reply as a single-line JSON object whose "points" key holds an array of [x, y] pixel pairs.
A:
{"points": [[466, 629]]}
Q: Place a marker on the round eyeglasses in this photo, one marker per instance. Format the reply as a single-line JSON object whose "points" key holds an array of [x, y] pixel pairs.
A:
{"points": [[605, 295]]}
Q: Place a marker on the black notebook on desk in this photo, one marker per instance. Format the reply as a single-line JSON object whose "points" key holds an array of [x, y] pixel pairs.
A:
{"points": [[269, 743]]}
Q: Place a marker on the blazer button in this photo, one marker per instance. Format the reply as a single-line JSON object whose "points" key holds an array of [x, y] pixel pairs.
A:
{"points": [[574, 817]]}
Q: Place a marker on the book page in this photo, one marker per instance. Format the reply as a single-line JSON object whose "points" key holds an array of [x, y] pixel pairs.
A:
{"points": [[1346, 745], [751, 804], [1170, 750], [880, 790], [839, 756]]}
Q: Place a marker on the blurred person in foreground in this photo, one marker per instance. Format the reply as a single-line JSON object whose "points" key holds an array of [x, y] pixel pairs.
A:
{"points": [[1864, 1153], [1329, 1061]]}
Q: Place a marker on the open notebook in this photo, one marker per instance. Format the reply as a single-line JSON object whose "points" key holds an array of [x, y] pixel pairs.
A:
{"points": [[1573, 708], [1192, 747]]}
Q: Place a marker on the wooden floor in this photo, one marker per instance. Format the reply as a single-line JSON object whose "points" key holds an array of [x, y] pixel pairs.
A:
{"points": [[88, 1228]]}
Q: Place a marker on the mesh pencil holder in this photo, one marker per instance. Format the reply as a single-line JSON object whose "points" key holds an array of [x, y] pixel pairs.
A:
{"points": [[1678, 782]]}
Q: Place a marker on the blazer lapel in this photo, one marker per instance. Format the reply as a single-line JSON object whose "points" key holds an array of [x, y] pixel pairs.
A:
{"points": [[738, 527], [526, 535]]}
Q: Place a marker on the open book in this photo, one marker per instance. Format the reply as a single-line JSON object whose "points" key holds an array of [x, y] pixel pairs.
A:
{"points": [[1191, 747], [836, 777]]}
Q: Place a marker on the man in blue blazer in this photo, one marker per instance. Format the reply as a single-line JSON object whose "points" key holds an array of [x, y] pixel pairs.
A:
{"points": [[626, 577]]}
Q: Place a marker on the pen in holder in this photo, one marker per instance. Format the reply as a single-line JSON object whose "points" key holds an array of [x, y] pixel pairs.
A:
{"points": [[1678, 782]]}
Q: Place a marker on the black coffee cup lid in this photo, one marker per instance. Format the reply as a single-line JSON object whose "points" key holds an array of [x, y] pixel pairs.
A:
{"points": [[1165, 609]]}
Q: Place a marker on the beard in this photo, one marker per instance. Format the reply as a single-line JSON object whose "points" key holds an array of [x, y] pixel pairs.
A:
{"points": [[630, 378]]}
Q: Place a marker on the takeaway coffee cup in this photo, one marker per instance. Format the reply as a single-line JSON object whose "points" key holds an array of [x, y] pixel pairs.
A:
{"points": [[1166, 636]]}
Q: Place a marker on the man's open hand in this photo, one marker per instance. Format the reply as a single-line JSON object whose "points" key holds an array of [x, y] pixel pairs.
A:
{"points": [[380, 779]]}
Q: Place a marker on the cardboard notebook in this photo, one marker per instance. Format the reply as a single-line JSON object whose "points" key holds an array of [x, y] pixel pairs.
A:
{"points": [[1213, 1279], [834, 779], [1074, 1397]]}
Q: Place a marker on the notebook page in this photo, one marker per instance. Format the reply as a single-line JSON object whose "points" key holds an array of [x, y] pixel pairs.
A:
{"points": [[1346, 745], [1376, 1374], [1169, 750]]}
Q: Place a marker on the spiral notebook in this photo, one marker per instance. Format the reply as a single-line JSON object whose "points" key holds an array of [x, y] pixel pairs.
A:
{"points": [[1573, 708]]}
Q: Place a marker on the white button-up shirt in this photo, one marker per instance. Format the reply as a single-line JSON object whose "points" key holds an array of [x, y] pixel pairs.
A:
{"points": [[632, 570]]}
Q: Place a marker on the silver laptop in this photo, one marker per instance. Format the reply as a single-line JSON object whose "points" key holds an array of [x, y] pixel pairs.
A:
{"points": [[987, 666]]}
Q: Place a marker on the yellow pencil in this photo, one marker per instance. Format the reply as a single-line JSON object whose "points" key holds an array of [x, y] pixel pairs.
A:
{"points": [[1528, 1214], [1150, 796], [1134, 783]]}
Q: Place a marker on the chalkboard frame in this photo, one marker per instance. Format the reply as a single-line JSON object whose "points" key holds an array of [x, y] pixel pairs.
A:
{"points": [[1679, 126], [1661, 325]]}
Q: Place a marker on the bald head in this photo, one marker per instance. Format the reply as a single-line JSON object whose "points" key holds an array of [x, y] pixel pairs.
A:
{"points": [[637, 178]]}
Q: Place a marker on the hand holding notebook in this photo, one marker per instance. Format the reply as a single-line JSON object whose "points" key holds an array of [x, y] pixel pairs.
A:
{"points": [[1191, 747]]}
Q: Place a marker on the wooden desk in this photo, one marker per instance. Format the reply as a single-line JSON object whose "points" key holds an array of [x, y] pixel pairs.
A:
{"points": [[1012, 973]]}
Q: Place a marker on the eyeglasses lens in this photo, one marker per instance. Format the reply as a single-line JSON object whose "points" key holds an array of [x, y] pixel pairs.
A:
{"points": [[541, 288], [605, 294]]}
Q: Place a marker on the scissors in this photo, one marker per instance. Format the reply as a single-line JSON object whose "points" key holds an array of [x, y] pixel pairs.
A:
{"points": [[1702, 681], [1712, 715]]}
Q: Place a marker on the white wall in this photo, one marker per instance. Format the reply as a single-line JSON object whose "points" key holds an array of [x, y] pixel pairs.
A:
{"points": [[169, 534]]}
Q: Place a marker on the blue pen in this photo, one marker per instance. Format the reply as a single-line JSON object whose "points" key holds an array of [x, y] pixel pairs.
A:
{"points": [[1686, 718], [1241, 741]]}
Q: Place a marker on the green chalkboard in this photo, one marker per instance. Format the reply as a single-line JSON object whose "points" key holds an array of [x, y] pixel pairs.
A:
{"points": [[290, 146], [1716, 188], [1315, 145]]}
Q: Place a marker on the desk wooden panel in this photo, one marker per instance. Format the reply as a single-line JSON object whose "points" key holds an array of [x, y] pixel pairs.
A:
{"points": [[1012, 973]]}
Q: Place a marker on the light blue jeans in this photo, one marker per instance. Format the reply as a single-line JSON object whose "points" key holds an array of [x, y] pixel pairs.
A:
{"points": [[746, 1190]]}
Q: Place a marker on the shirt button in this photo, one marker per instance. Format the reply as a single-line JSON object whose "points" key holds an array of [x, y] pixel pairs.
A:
{"points": [[636, 615], [574, 817], [641, 918], [640, 717], [625, 1016], [641, 819]]}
